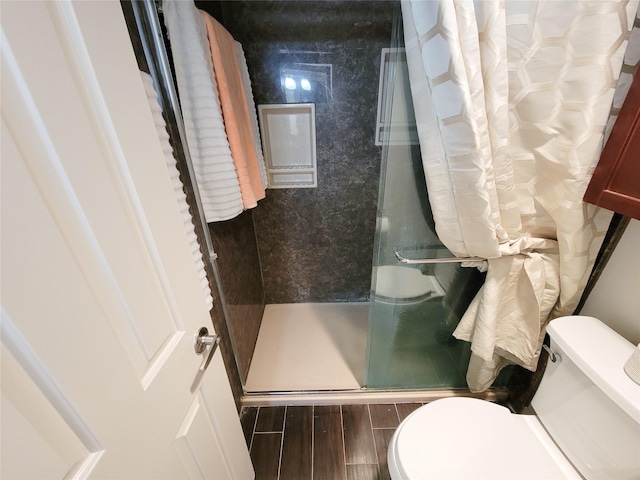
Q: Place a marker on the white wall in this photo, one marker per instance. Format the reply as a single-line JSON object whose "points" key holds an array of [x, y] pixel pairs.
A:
{"points": [[616, 297]]}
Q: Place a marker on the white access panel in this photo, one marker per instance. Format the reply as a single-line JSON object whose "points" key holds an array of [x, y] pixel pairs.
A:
{"points": [[289, 144]]}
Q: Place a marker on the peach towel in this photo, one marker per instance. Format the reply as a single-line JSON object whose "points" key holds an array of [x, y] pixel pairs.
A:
{"points": [[235, 111]]}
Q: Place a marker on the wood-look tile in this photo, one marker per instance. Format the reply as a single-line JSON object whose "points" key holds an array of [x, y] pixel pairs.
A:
{"points": [[383, 415], [248, 422], [406, 409], [270, 419], [297, 444], [265, 455], [327, 442], [328, 447], [383, 437], [362, 472], [358, 436]]}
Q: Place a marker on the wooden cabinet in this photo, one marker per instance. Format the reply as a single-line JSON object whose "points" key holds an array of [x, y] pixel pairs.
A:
{"points": [[615, 184]]}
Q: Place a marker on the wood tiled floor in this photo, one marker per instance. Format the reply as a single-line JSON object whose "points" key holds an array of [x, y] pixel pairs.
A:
{"points": [[322, 442]]}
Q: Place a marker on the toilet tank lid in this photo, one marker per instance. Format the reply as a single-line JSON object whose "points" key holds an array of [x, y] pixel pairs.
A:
{"points": [[600, 353]]}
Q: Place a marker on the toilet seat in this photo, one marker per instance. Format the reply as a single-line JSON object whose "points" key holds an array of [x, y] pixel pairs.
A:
{"points": [[470, 438]]}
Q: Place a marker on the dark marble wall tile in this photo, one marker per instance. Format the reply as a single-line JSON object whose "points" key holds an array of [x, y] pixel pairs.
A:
{"points": [[239, 268], [316, 245]]}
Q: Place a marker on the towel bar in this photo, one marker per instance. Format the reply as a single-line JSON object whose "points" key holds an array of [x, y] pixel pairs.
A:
{"points": [[426, 261]]}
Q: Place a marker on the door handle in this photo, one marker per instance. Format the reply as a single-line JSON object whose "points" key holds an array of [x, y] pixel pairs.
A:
{"points": [[202, 342]]}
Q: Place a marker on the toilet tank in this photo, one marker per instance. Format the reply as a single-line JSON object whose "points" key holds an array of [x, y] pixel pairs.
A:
{"points": [[586, 401]]}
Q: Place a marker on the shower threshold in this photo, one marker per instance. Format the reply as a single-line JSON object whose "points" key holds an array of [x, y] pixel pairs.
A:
{"points": [[366, 396]]}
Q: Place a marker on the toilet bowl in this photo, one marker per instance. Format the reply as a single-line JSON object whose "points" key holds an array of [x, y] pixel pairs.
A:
{"points": [[474, 439], [586, 422]]}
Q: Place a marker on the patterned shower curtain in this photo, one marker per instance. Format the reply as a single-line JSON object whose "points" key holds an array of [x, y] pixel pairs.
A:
{"points": [[511, 101]]}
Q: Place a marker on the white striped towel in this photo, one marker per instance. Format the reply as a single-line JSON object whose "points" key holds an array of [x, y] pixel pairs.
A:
{"points": [[206, 137], [181, 198]]}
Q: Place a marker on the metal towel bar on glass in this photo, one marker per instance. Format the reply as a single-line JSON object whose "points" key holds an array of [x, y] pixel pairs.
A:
{"points": [[424, 261]]}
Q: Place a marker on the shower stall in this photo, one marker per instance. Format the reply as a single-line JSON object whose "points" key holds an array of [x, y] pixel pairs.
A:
{"points": [[359, 252]]}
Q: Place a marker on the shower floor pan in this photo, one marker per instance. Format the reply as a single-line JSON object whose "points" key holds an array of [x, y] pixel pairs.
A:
{"points": [[310, 346]]}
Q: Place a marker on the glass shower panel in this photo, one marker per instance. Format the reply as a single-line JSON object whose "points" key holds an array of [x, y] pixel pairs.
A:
{"points": [[413, 308]]}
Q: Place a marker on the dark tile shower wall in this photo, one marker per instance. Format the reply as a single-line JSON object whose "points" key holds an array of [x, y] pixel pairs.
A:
{"points": [[316, 245], [239, 267]]}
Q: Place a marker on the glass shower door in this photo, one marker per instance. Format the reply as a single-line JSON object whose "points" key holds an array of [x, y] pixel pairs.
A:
{"points": [[414, 308]]}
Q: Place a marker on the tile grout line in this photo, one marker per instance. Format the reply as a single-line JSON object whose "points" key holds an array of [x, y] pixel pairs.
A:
{"points": [[284, 426], [375, 447], [313, 437], [253, 430], [344, 444]]}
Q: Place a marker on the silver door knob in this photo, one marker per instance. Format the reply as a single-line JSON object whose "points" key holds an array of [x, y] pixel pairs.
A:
{"points": [[204, 341]]}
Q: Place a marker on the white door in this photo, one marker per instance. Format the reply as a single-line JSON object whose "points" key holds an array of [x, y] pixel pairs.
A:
{"points": [[100, 297]]}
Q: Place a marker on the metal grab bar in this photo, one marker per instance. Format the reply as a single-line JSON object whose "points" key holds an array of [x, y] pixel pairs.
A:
{"points": [[426, 261]]}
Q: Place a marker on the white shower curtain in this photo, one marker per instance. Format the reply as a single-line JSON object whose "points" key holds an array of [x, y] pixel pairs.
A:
{"points": [[511, 102]]}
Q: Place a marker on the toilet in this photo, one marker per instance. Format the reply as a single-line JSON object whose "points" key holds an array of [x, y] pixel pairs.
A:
{"points": [[397, 285], [586, 422]]}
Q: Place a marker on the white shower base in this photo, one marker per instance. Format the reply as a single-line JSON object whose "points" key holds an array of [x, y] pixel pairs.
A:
{"points": [[310, 346]]}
